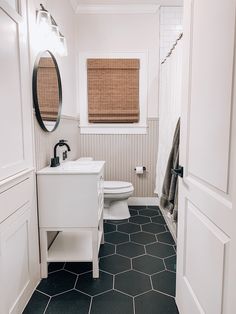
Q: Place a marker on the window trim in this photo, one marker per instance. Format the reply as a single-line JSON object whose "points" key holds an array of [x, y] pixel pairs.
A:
{"points": [[112, 128]]}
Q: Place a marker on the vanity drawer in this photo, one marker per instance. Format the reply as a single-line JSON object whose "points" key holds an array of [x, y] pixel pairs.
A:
{"points": [[14, 198], [68, 201]]}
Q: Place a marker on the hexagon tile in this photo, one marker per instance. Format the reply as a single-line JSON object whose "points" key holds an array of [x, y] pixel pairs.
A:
{"points": [[132, 283], [137, 272]]}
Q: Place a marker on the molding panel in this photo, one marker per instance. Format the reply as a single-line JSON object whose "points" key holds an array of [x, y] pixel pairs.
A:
{"points": [[202, 234], [209, 143], [14, 111], [15, 260]]}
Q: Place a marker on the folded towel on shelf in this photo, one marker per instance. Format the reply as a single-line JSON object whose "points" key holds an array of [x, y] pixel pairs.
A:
{"points": [[169, 197]]}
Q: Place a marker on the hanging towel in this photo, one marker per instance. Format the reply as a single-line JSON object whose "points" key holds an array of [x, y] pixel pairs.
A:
{"points": [[169, 197]]}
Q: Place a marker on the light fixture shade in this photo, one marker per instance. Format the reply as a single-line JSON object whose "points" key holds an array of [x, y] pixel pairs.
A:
{"points": [[50, 37], [54, 37], [55, 31], [62, 48], [44, 21]]}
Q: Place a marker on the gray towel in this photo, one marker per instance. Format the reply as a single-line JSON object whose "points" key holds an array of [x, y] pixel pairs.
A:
{"points": [[169, 197]]}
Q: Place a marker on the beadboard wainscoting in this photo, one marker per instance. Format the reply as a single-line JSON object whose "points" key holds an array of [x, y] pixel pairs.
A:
{"points": [[122, 152], [67, 130]]}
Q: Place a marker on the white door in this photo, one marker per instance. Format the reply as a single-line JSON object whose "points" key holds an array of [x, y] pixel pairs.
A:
{"points": [[206, 266]]}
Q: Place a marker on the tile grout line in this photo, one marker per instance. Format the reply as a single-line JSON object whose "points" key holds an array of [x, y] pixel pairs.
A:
{"points": [[76, 280], [90, 305], [44, 312], [47, 295], [130, 259]]}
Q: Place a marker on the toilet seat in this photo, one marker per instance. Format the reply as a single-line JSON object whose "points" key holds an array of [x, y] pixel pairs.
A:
{"points": [[113, 187]]}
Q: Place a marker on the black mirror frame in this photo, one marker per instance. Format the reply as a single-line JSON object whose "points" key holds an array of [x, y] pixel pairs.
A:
{"points": [[35, 96]]}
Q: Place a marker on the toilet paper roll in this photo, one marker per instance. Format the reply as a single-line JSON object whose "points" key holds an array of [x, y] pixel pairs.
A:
{"points": [[139, 169]]}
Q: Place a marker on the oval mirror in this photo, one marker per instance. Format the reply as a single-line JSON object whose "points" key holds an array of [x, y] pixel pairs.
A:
{"points": [[47, 91]]}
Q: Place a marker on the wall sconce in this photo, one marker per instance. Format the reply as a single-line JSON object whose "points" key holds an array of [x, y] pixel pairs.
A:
{"points": [[50, 32], [44, 21]]}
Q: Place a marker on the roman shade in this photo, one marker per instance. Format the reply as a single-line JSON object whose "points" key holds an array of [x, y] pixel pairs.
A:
{"points": [[113, 90]]}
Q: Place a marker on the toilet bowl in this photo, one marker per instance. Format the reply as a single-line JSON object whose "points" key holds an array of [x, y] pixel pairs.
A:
{"points": [[116, 194]]}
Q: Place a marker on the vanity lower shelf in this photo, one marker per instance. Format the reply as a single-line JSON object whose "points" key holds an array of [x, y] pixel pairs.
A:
{"points": [[72, 246]]}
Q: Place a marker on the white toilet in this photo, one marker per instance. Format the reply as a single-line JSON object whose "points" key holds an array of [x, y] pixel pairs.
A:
{"points": [[116, 194]]}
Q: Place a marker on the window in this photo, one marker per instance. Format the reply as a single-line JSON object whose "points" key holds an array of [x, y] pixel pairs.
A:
{"points": [[112, 93], [113, 90]]}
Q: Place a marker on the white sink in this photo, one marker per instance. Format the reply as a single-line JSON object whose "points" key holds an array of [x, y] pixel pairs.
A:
{"points": [[84, 162], [74, 167], [78, 166]]}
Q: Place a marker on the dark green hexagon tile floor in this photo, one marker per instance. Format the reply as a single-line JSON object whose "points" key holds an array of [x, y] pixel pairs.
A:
{"points": [[137, 273]]}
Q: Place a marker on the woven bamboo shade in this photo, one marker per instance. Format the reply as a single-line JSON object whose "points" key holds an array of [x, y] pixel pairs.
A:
{"points": [[47, 89], [113, 90]]}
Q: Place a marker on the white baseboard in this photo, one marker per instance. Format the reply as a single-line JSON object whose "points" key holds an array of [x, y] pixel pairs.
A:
{"points": [[170, 223], [136, 201], [26, 296]]}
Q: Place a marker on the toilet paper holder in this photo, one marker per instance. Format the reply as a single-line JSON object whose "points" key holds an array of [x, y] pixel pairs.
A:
{"points": [[144, 168]]}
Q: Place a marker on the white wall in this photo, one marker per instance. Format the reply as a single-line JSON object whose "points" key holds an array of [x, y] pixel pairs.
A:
{"points": [[65, 17], [124, 33]]}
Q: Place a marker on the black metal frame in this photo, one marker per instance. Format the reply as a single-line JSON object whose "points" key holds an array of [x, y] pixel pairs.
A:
{"points": [[35, 96]]}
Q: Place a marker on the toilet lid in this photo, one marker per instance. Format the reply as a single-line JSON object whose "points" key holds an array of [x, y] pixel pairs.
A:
{"points": [[113, 185]]}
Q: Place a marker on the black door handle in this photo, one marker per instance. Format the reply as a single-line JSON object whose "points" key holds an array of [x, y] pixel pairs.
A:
{"points": [[178, 172]]}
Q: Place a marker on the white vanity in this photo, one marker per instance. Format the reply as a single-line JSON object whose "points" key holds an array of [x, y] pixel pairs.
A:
{"points": [[70, 201]]}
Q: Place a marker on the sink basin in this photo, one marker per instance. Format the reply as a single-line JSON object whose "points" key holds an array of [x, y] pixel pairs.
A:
{"points": [[84, 162], [78, 166], [74, 167]]}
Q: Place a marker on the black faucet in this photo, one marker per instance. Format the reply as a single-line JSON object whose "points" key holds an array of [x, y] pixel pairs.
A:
{"points": [[55, 160]]}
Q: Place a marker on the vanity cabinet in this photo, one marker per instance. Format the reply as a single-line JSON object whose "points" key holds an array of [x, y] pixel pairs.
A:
{"points": [[70, 201]]}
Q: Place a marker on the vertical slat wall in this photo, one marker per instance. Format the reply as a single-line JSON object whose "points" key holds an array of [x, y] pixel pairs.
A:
{"points": [[122, 153]]}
